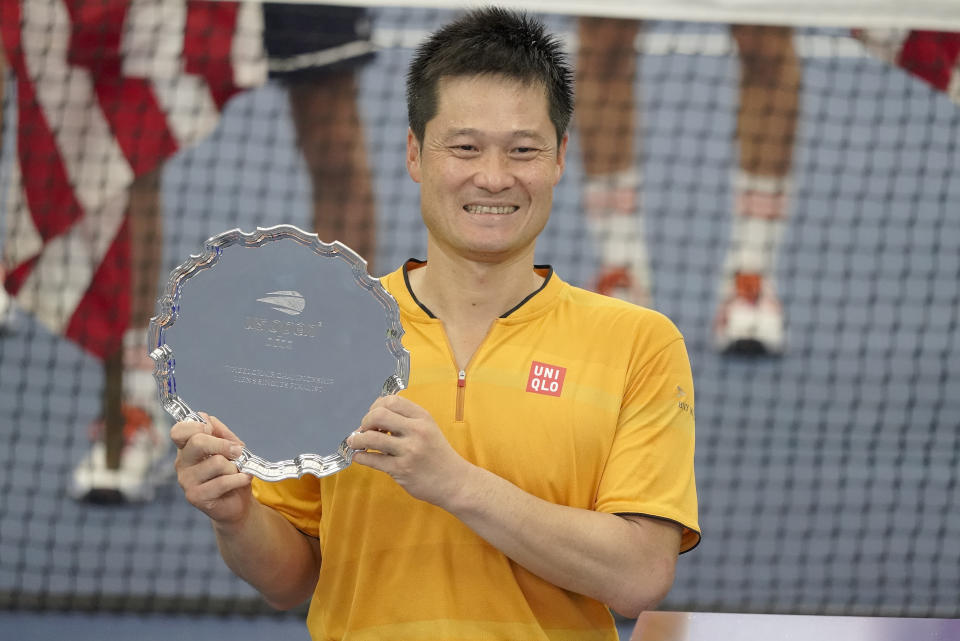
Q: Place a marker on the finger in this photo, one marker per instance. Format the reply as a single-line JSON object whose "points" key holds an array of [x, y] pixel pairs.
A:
{"points": [[374, 440], [220, 429], [205, 470], [400, 405], [374, 460], [201, 446], [182, 432], [207, 493], [384, 419], [228, 482], [207, 428]]}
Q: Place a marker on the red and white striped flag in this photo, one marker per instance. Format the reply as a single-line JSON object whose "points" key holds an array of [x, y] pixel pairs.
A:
{"points": [[933, 56], [107, 90]]}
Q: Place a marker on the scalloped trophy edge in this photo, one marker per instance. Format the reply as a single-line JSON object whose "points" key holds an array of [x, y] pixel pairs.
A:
{"points": [[313, 464], [163, 355]]}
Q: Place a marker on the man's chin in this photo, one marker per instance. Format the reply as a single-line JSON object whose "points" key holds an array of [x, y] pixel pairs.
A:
{"points": [[496, 253]]}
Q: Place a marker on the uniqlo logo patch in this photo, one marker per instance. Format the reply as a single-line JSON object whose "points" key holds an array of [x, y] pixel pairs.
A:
{"points": [[546, 379]]}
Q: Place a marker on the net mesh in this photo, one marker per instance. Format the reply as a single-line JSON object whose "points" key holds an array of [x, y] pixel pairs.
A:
{"points": [[739, 179]]}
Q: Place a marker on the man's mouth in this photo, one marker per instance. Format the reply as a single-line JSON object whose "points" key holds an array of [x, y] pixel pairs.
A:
{"points": [[490, 209]]}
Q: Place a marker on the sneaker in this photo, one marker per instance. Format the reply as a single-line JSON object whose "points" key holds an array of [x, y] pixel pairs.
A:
{"points": [[619, 282], [750, 319], [144, 463]]}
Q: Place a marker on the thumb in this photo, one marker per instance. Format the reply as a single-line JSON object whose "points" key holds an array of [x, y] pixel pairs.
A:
{"points": [[220, 430]]}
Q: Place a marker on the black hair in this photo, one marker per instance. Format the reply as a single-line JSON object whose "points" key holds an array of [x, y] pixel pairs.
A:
{"points": [[492, 41]]}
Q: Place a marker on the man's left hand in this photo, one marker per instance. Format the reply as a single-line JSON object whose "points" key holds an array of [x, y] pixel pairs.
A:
{"points": [[401, 438]]}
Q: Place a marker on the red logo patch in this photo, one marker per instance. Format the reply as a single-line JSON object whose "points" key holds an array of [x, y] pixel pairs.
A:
{"points": [[546, 379]]}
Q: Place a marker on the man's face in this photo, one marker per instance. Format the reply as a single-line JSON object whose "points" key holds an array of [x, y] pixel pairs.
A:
{"points": [[487, 167]]}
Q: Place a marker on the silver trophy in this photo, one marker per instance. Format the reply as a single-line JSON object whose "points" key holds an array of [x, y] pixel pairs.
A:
{"points": [[286, 339]]}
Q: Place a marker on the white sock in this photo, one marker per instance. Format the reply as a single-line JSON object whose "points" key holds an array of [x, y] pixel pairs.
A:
{"points": [[616, 223], [760, 214]]}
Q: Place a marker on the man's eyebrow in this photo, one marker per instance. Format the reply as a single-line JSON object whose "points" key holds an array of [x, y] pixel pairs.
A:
{"points": [[463, 131], [528, 133], [513, 135]]}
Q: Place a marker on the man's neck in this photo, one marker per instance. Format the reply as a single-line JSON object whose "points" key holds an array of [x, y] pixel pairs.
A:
{"points": [[459, 291], [468, 296]]}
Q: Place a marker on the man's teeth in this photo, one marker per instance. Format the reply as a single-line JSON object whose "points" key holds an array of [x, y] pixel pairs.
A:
{"points": [[485, 209]]}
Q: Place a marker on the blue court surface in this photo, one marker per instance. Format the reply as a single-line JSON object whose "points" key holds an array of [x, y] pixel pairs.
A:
{"points": [[26, 626], [652, 626]]}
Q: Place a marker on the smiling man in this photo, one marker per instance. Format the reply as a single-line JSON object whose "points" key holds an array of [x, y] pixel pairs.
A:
{"points": [[539, 466], [487, 168]]}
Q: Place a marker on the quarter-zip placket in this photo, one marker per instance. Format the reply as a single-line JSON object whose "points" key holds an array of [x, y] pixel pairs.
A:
{"points": [[461, 393], [462, 374]]}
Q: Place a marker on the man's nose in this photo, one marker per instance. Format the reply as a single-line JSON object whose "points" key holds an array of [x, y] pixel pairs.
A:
{"points": [[494, 173]]}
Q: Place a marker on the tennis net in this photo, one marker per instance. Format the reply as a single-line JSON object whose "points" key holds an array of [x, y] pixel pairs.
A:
{"points": [[786, 194]]}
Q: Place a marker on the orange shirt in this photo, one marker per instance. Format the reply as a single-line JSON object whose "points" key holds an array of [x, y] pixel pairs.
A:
{"points": [[580, 399]]}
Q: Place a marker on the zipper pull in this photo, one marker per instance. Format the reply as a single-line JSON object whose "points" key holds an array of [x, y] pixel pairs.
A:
{"points": [[461, 393]]}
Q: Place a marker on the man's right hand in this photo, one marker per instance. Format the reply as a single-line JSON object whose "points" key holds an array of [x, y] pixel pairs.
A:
{"points": [[207, 473]]}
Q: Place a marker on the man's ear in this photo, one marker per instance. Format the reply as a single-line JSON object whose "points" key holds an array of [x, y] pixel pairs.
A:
{"points": [[413, 156], [561, 156]]}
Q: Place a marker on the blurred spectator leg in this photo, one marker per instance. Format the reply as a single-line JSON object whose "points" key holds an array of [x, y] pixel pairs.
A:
{"points": [[750, 318], [606, 110], [331, 138]]}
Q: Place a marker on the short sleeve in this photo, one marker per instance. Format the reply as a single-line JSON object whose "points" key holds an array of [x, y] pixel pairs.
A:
{"points": [[298, 500], [649, 470]]}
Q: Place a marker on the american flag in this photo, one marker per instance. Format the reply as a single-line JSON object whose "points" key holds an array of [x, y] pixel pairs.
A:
{"points": [[106, 90], [933, 56]]}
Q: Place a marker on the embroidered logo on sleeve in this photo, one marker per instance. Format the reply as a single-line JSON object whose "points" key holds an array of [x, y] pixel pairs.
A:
{"points": [[682, 401], [546, 379]]}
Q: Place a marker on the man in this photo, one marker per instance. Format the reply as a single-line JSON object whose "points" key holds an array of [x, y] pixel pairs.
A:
{"points": [[540, 463]]}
